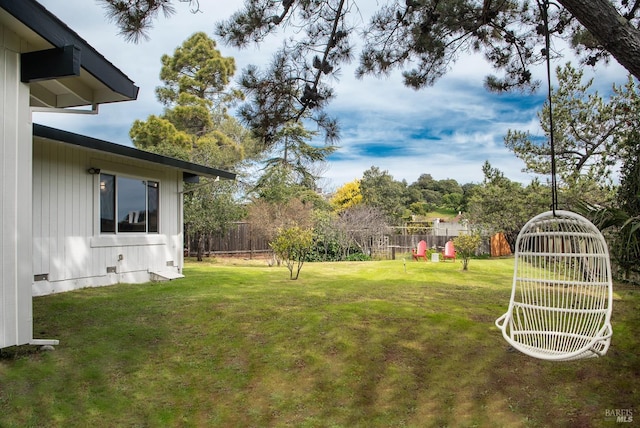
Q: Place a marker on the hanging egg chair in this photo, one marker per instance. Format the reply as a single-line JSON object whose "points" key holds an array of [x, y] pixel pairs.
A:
{"points": [[561, 299]]}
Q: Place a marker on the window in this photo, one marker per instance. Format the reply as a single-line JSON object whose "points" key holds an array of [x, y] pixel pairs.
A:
{"points": [[128, 205]]}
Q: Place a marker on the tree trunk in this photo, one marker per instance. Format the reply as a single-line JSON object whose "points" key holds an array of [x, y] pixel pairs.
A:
{"points": [[200, 246], [615, 33]]}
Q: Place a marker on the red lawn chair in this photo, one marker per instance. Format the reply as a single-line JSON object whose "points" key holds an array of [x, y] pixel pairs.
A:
{"points": [[449, 251], [421, 252]]}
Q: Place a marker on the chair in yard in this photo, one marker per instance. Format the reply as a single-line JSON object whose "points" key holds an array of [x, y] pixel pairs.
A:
{"points": [[561, 299], [421, 252], [449, 251]]}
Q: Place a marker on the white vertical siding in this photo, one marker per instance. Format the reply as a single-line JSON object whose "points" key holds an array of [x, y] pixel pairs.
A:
{"points": [[180, 210], [15, 198], [67, 244]]}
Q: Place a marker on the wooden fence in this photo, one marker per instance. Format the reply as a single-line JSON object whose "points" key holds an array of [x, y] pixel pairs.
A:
{"points": [[239, 241], [399, 244]]}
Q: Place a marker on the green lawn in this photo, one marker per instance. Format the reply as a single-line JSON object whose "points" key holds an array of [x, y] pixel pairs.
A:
{"points": [[442, 213], [363, 344]]}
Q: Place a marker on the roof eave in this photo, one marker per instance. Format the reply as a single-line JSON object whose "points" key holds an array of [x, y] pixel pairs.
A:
{"points": [[91, 143], [42, 22]]}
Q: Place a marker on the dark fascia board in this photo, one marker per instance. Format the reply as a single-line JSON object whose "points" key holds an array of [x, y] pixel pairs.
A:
{"points": [[90, 143], [49, 27], [50, 64]]}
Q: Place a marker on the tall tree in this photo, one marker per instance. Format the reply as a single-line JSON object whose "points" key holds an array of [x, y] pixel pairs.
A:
{"points": [[431, 33], [347, 196], [159, 135], [588, 132], [277, 113], [197, 69], [380, 190], [621, 221], [502, 205], [196, 93], [627, 244], [293, 153], [423, 38]]}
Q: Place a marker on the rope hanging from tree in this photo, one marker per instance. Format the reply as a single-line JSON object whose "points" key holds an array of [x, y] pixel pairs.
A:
{"points": [[544, 11]]}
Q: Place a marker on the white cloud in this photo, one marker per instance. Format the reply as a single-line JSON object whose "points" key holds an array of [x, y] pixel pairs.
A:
{"points": [[447, 130]]}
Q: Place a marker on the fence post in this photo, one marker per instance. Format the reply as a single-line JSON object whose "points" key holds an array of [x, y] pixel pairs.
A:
{"points": [[250, 242]]}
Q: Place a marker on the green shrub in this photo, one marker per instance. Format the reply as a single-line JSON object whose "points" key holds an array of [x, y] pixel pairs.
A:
{"points": [[358, 257], [466, 247], [292, 245]]}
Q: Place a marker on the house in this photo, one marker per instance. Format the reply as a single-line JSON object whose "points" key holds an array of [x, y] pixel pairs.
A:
{"points": [[76, 211], [104, 213]]}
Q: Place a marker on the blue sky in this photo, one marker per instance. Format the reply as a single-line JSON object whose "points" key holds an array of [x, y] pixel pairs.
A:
{"points": [[447, 130]]}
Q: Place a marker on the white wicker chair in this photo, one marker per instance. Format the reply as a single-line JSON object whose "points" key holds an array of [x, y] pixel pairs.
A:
{"points": [[561, 300]]}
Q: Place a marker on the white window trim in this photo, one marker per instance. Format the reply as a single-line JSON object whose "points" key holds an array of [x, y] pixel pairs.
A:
{"points": [[127, 240], [114, 239]]}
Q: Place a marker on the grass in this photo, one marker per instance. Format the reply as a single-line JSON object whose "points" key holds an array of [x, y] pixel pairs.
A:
{"points": [[442, 213], [362, 344]]}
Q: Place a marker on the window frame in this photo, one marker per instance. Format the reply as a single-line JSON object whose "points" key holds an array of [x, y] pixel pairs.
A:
{"points": [[116, 228]]}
